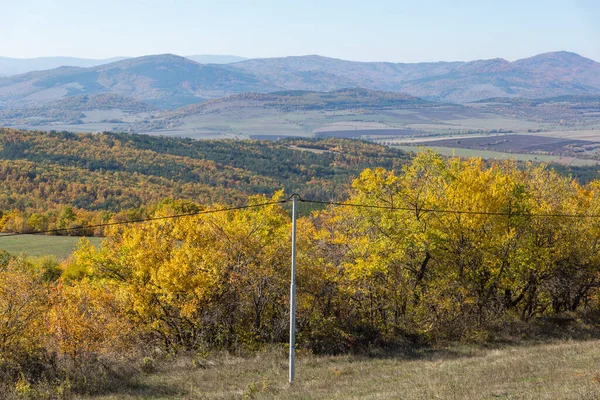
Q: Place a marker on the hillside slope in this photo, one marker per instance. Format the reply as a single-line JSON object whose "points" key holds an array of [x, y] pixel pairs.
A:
{"points": [[110, 171]]}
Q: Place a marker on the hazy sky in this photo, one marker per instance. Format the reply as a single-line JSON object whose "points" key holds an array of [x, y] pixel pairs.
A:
{"points": [[366, 30]]}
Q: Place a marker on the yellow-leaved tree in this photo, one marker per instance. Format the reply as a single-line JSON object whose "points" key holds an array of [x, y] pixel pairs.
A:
{"points": [[213, 279]]}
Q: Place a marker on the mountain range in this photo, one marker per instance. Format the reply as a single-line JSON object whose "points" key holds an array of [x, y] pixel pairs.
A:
{"points": [[170, 81]]}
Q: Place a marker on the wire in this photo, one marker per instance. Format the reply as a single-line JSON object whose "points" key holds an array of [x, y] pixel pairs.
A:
{"points": [[135, 221], [443, 211], [330, 203]]}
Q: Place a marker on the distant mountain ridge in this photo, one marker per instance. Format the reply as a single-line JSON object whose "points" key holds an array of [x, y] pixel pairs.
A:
{"points": [[16, 66], [170, 81], [164, 80], [216, 59], [544, 75]]}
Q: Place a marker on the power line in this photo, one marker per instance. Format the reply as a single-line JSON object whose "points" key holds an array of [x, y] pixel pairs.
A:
{"points": [[329, 203], [444, 211], [135, 221]]}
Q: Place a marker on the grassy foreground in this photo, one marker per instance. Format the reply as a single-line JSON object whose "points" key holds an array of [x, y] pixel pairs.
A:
{"points": [[556, 370]]}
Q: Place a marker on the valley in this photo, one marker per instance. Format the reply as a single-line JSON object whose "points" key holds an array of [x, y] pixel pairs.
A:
{"points": [[563, 130]]}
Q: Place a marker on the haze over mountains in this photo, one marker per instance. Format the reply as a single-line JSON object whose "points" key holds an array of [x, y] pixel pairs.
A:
{"points": [[215, 59], [170, 81], [15, 66]]}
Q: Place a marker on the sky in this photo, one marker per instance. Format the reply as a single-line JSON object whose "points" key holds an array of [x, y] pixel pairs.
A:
{"points": [[365, 30]]}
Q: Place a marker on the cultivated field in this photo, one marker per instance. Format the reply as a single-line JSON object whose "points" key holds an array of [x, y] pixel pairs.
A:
{"points": [[524, 147], [527, 144], [459, 152], [245, 123], [554, 370]]}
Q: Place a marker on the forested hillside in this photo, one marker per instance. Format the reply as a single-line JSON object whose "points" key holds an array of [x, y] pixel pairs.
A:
{"points": [[44, 172], [51, 180]]}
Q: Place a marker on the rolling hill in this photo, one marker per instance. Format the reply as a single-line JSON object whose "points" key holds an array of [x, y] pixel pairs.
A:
{"points": [[581, 111], [300, 100], [73, 110]]}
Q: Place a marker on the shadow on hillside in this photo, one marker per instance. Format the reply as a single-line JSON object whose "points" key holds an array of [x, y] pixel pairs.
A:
{"points": [[543, 330]]}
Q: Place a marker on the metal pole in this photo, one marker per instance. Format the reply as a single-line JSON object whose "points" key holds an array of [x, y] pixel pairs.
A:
{"points": [[293, 296]]}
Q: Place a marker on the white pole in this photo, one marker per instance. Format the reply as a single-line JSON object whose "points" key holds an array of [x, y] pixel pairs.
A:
{"points": [[293, 296]]}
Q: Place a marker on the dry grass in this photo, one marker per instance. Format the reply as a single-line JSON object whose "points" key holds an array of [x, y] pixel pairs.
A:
{"points": [[557, 370]]}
